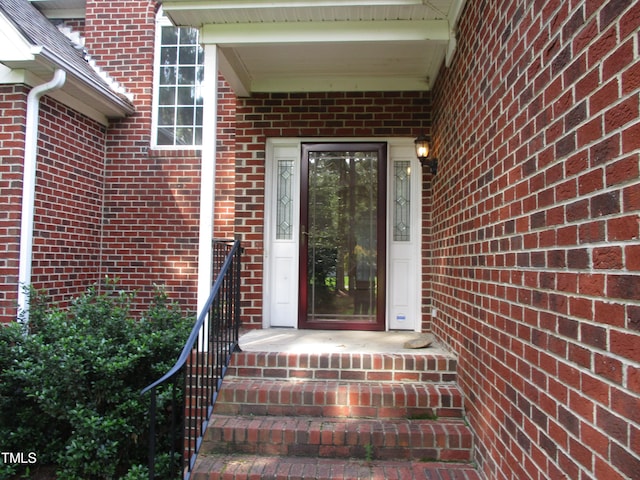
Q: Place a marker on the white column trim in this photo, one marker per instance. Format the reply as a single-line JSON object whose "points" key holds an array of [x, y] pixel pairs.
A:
{"points": [[207, 172]]}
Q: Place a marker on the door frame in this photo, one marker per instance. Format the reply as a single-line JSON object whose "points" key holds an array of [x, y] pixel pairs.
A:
{"points": [[381, 228], [403, 261]]}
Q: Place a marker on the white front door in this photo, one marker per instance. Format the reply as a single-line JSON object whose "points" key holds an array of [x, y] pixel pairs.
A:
{"points": [[284, 236]]}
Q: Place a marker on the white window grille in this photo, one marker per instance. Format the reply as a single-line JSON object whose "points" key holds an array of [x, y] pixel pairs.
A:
{"points": [[178, 76]]}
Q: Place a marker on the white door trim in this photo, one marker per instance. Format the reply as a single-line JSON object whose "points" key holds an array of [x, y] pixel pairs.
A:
{"points": [[281, 263]]}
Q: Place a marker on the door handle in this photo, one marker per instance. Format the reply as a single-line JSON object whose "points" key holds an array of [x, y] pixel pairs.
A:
{"points": [[304, 233]]}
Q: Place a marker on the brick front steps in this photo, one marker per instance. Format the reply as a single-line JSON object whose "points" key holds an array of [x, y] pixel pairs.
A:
{"points": [[338, 416]]}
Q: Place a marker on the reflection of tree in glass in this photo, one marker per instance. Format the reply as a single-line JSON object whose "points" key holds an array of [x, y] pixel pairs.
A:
{"points": [[179, 100], [342, 227]]}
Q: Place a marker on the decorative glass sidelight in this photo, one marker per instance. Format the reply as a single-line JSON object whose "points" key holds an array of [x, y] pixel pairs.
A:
{"points": [[402, 201], [284, 212]]}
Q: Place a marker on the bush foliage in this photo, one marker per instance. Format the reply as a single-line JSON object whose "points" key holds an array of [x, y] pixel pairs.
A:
{"points": [[70, 382]]}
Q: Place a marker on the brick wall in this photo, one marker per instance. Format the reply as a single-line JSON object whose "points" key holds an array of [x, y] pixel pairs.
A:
{"points": [[535, 234], [427, 258], [152, 198], [333, 115], [13, 103], [68, 202]]}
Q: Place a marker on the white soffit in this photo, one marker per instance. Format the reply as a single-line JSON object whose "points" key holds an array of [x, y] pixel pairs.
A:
{"points": [[324, 45], [61, 9]]}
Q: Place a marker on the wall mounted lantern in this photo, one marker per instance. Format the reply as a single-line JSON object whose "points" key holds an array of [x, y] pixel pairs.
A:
{"points": [[422, 152]]}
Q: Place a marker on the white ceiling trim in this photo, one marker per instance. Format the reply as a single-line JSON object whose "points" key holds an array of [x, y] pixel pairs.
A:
{"points": [[323, 32], [335, 83], [267, 4]]}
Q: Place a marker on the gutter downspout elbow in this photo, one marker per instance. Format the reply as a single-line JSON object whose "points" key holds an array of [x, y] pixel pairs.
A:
{"points": [[29, 187]]}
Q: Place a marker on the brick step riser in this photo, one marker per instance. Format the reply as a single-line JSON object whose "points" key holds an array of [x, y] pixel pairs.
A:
{"points": [[327, 399], [417, 440], [354, 367], [245, 467], [335, 411]]}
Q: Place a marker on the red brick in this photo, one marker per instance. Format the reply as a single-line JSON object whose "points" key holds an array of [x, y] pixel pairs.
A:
{"points": [[607, 95], [621, 114], [608, 367], [595, 389], [609, 257], [622, 171], [603, 469], [632, 257], [625, 344], [623, 228], [618, 60], [625, 461], [623, 287], [609, 313], [631, 139]]}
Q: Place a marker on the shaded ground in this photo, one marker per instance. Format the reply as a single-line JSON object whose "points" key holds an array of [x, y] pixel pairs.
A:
{"points": [[46, 472]]}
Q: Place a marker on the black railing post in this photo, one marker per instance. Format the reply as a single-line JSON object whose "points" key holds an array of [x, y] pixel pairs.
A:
{"points": [[152, 434]]}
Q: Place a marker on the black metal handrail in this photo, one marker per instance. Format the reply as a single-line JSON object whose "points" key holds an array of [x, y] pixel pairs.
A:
{"points": [[199, 370]]}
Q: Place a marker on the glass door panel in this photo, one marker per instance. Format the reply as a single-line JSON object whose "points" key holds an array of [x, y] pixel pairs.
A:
{"points": [[342, 244]]}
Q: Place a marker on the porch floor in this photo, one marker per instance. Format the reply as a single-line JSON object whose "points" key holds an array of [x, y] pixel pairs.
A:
{"points": [[330, 341]]}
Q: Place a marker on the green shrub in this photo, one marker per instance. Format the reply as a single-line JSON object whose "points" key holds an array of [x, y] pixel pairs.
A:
{"points": [[70, 384]]}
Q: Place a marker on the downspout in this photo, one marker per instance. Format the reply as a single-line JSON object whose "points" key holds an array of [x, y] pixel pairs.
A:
{"points": [[29, 187]]}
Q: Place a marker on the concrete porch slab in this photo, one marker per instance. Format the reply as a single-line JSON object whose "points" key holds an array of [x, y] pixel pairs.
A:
{"points": [[330, 341]]}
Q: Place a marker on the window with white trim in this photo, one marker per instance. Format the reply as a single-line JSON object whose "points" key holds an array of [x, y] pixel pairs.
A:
{"points": [[178, 75]]}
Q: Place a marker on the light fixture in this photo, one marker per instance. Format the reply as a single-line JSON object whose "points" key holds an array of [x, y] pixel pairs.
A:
{"points": [[422, 152]]}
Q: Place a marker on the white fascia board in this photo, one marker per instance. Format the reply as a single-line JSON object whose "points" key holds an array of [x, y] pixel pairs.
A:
{"points": [[30, 79], [85, 104], [320, 32], [15, 47], [10, 76], [99, 93]]}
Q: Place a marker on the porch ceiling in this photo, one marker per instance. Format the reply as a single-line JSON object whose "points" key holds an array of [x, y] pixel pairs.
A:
{"points": [[325, 45]]}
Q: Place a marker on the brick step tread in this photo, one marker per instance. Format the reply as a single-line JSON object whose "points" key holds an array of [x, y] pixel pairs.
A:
{"points": [[390, 367], [250, 467], [398, 439], [259, 396]]}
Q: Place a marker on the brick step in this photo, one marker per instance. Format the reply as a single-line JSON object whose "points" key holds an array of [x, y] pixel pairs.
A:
{"points": [[250, 467], [377, 367], [259, 396], [374, 439]]}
